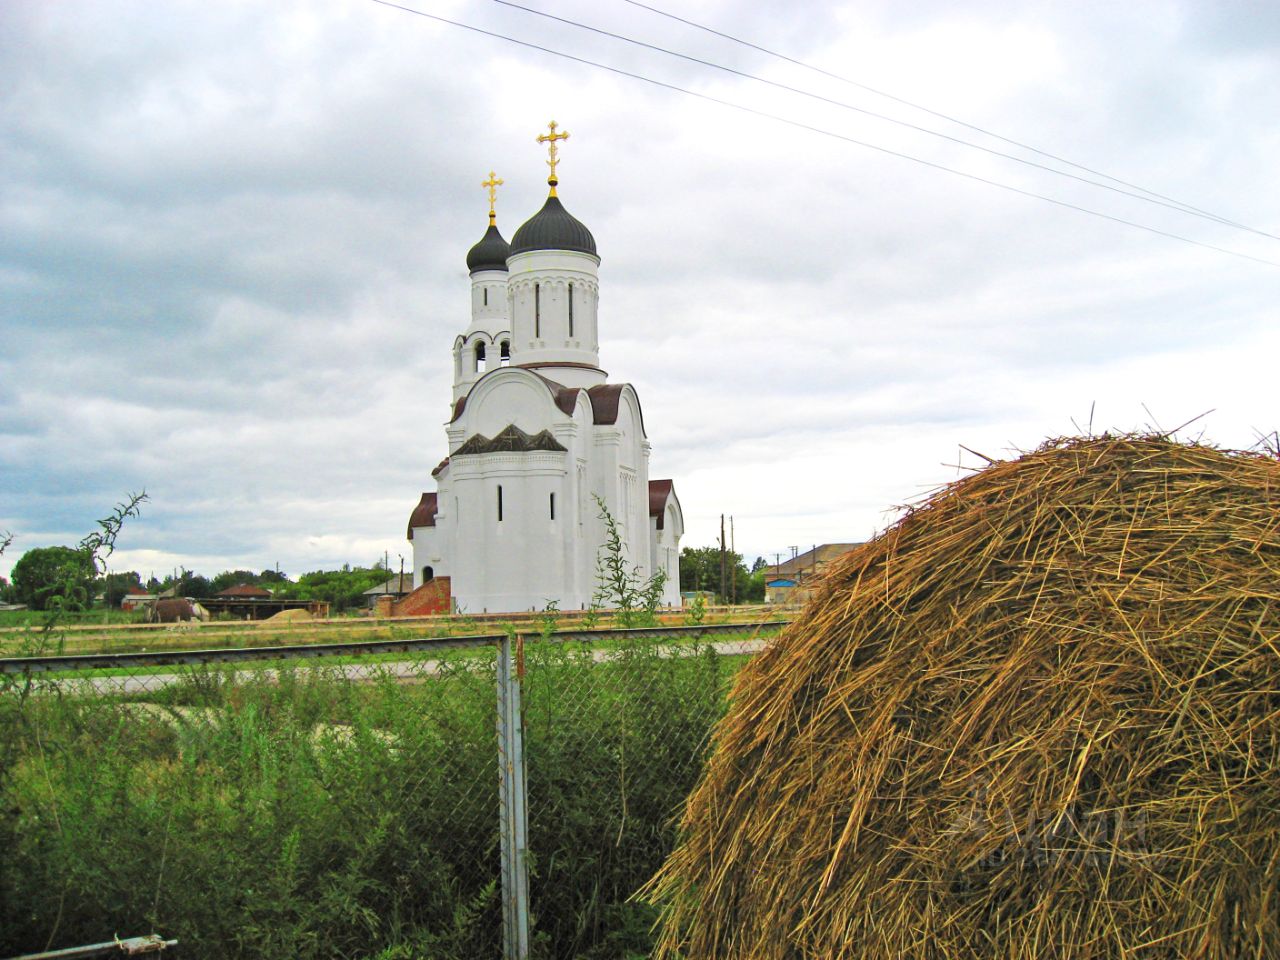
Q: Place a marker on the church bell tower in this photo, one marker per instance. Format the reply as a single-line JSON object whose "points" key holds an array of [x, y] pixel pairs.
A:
{"points": [[486, 344]]}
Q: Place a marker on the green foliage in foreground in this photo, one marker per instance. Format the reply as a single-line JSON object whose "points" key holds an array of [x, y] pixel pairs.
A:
{"points": [[307, 815], [619, 585]]}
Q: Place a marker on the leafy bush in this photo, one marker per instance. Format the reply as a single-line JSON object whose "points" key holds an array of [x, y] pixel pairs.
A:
{"points": [[45, 575]]}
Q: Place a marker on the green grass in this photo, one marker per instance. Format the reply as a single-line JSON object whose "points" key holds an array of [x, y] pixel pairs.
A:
{"points": [[18, 619], [305, 815]]}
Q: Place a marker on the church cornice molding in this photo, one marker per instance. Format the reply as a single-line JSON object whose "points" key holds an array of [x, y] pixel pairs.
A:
{"points": [[558, 279], [489, 465], [542, 364]]}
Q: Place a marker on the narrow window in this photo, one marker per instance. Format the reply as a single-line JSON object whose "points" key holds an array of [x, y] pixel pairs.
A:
{"points": [[504, 353], [537, 309], [571, 310], [553, 506], [486, 296], [480, 365], [499, 503], [427, 574]]}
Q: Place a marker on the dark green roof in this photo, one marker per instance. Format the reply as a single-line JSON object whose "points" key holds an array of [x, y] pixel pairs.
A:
{"points": [[490, 253], [553, 228]]}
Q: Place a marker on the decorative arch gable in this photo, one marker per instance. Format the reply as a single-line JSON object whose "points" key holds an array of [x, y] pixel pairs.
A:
{"points": [[424, 514], [509, 396], [664, 505], [607, 399]]}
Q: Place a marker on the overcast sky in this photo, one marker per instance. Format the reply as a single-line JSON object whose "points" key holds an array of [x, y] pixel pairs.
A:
{"points": [[232, 241]]}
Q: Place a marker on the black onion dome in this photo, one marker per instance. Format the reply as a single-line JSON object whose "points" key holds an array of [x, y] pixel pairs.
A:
{"points": [[490, 253], [553, 228]]}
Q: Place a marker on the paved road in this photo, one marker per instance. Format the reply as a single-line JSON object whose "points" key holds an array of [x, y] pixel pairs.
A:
{"points": [[407, 670]]}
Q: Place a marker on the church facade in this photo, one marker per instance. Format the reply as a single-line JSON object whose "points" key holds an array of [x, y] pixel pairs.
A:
{"points": [[538, 438]]}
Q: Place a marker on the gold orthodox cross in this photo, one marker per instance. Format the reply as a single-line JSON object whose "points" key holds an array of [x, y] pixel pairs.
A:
{"points": [[551, 138], [493, 183]]}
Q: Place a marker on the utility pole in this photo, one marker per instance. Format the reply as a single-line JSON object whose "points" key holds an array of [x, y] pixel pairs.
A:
{"points": [[733, 549], [723, 592]]}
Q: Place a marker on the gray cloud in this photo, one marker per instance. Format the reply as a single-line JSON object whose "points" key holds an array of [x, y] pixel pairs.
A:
{"points": [[232, 241]]}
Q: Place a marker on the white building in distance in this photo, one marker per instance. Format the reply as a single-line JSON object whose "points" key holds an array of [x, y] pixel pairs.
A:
{"points": [[537, 433]]}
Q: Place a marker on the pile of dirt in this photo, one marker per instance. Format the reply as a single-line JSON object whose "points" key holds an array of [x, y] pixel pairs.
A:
{"points": [[1038, 717], [297, 614]]}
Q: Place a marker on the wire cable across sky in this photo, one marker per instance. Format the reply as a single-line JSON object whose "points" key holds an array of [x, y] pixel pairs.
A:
{"points": [[821, 131], [935, 113], [1137, 193]]}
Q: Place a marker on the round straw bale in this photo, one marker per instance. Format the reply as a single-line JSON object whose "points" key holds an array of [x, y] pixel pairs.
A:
{"points": [[1038, 717]]}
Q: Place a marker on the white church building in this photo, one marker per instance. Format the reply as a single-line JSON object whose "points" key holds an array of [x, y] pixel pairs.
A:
{"points": [[537, 433]]}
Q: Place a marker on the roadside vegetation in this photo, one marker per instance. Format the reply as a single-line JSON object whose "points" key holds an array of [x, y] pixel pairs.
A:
{"points": [[307, 814]]}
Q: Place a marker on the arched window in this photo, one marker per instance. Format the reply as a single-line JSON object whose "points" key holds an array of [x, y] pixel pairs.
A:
{"points": [[480, 362], [537, 309], [428, 574], [504, 353], [571, 310]]}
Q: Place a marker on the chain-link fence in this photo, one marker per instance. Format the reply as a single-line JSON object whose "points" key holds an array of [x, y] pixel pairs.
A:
{"points": [[616, 730], [347, 800]]}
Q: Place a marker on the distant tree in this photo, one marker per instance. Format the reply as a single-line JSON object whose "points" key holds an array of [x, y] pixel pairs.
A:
{"points": [[233, 578], [760, 564], [700, 570], [341, 589], [195, 586], [116, 585], [46, 573], [272, 576], [6, 588], [187, 584]]}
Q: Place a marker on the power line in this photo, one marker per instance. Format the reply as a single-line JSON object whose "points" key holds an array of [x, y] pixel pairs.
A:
{"points": [[937, 113], [1144, 195], [822, 132]]}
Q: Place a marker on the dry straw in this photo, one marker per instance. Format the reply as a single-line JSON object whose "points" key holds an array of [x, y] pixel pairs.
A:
{"points": [[1037, 718]]}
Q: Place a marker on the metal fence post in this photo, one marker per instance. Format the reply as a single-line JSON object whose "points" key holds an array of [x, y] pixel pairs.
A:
{"points": [[512, 800]]}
